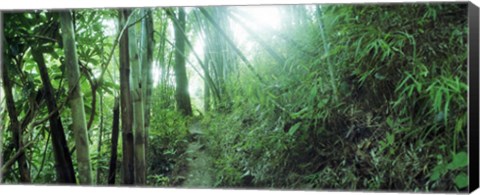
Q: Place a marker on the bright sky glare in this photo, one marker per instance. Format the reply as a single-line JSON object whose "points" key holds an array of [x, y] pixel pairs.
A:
{"points": [[264, 18], [267, 15]]}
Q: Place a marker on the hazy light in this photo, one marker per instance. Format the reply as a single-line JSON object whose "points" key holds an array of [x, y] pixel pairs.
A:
{"points": [[156, 74], [195, 83], [260, 20], [262, 16], [109, 27], [264, 19]]}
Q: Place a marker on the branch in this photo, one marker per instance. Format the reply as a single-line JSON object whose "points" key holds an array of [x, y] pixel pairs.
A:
{"points": [[12, 160], [59, 108], [39, 37], [44, 157], [93, 85]]}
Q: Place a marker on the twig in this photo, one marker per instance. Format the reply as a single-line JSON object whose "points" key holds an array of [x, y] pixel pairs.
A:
{"points": [[43, 158], [40, 37]]}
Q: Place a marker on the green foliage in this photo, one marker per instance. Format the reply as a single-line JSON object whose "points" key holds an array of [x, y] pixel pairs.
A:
{"points": [[158, 180], [402, 94], [241, 154], [167, 143], [458, 162]]}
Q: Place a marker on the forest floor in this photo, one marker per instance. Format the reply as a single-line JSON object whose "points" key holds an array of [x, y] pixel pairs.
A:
{"points": [[199, 171]]}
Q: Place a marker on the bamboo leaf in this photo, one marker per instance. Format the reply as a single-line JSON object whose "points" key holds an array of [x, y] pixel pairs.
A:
{"points": [[294, 128]]}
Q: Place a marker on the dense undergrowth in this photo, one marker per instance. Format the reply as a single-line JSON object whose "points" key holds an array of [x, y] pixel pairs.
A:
{"points": [[397, 121], [168, 141]]}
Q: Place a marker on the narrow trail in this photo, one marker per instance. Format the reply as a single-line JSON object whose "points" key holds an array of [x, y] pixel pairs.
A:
{"points": [[199, 171]]}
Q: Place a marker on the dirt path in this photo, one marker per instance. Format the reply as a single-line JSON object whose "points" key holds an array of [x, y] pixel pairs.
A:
{"points": [[199, 173]]}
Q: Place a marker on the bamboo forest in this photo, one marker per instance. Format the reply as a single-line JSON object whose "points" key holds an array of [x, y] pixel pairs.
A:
{"points": [[309, 97]]}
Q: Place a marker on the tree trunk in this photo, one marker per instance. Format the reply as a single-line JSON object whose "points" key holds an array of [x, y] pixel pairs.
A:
{"points": [[326, 49], [206, 98], [230, 42], [14, 123], [128, 177], [206, 77], [275, 55], [221, 50], [181, 94], [63, 160], [217, 57], [115, 130], [76, 100], [138, 112], [147, 57], [100, 133], [1, 99], [1, 120]]}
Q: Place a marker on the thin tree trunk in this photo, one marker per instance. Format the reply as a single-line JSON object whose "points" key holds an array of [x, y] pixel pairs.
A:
{"points": [[212, 59], [138, 112], [206, 76], [326, 49], [276, 56], [1, 121], [115, 131], [230, 42], [181, 94], [15, 124], [163, 61], [63, 160], [1, 98], [76, 100], [221, 51], [206, 99], [128, 177], [99, 148], [147, 43]]}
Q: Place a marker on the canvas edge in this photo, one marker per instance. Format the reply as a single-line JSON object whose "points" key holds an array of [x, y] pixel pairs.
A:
{"points": [[473, 96]]}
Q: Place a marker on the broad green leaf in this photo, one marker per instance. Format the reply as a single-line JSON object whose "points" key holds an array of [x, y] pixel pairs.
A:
{"points": [[438, 171], [461, 180], [435, 176], [459, 160]]}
